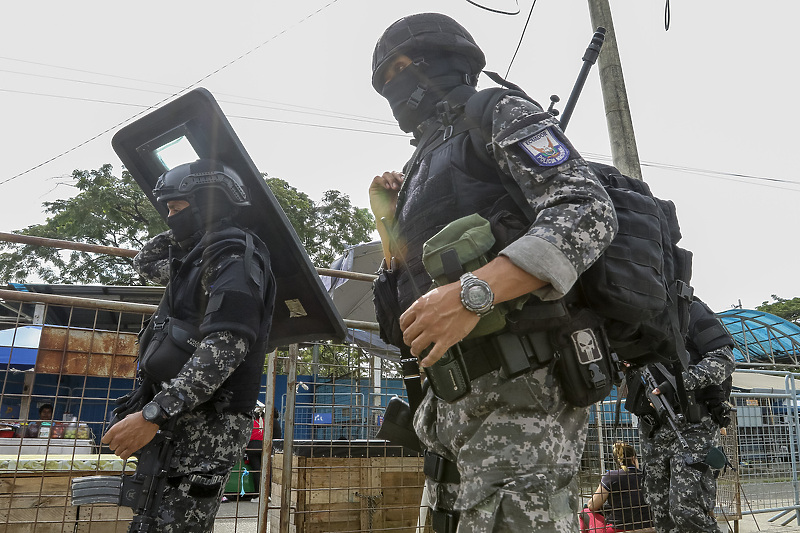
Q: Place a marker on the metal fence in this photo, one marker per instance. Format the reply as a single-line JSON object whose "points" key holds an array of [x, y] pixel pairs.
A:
{"points": [[328, 472]]}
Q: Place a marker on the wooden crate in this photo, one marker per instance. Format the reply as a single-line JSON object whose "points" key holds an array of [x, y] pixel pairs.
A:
{"points": [[333, 494], [36, 503]]}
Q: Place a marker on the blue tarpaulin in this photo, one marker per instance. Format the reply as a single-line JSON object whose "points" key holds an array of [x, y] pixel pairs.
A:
{"points": [[19, 346]]}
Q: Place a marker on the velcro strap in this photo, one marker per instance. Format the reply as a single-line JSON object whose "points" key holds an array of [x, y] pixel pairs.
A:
{"points": [[439, 469]]}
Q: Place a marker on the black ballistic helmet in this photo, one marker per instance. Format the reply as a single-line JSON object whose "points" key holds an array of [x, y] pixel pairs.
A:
{"points": [[205, 176], [424, 32]]}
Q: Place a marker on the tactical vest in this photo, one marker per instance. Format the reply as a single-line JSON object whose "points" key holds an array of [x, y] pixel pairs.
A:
{"points": [[190, 304], [445, 181]]}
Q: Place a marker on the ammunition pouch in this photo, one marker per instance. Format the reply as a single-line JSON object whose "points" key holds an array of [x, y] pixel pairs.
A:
{"points": [[448, 376], [444, 521], [439, 469], [586, 367], [472, 358], [169, 347]]}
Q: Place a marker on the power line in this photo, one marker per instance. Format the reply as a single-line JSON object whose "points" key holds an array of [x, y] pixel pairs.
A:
{"points": [[85, 71], [65, 97], [326, 111], [714, 174], [730, 176], [522, 35], [498, 11], [391, 134], [157, 104]]}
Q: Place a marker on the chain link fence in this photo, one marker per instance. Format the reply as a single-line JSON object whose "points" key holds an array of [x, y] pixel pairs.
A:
{"points": [[328, 472]]}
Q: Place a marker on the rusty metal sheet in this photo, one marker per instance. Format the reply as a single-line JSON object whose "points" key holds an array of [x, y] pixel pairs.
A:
{"points": [[86, 352]]}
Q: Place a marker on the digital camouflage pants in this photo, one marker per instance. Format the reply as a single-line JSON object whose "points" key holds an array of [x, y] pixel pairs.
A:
{"points": [[207, 446], [517, 445], [680, 488]]}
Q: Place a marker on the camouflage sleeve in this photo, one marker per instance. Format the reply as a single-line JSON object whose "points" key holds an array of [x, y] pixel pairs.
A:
{"points": [[715, 367], [574, 218], [212, 363], [152, 262]]}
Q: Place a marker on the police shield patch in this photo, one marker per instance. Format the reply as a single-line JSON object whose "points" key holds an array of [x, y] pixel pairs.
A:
{"points": [[545, 149]]}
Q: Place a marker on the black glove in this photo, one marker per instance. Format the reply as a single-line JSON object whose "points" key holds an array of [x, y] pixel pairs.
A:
{"points": [[133, 401]]}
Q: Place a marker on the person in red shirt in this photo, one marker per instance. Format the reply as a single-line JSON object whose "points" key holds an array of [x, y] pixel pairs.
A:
{"points": [[253, 451]]}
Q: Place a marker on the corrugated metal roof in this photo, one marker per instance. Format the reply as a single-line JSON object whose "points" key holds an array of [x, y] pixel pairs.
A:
{"points": [[761, 337]]}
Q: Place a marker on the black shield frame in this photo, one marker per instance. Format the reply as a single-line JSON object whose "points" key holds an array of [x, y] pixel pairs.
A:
{"points": [[304, 311]]}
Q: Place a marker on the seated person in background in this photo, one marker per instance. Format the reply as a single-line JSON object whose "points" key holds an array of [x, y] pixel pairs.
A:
{"points": [[46, 412], [618, 503]]}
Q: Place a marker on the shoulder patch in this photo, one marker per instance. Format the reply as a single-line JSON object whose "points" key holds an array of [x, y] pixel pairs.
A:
{"points": [[545, 149]]}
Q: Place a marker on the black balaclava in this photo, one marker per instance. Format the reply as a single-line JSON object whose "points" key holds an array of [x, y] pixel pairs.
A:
{"points": [[208, 210], [186, 226], [414, 92]]}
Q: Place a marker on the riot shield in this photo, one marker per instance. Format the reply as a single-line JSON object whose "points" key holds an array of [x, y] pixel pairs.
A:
{"points": [[193, 126]]}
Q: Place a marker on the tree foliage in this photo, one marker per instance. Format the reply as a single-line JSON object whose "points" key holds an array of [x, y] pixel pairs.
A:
{"points": [[786, 309], [113, 211], [326, 228], [109, 211]]}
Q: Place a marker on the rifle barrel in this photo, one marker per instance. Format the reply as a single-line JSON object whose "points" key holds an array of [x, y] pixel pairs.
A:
{"points": [[589, 58]]}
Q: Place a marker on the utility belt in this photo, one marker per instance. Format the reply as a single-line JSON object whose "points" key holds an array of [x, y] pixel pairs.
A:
{"points": [[470, 359], [566, 335]]}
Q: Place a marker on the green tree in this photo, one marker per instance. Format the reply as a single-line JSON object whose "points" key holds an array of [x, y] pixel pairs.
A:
{"points": [[113, 211], [326, 228], [786, 309], [109, 211]]}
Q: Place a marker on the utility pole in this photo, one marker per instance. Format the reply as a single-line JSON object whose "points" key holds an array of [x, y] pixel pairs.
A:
{"points": [[615, 98]]}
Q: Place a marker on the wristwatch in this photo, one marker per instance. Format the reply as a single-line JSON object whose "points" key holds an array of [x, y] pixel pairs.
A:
{"points": [[152, 412], [476, 295]]}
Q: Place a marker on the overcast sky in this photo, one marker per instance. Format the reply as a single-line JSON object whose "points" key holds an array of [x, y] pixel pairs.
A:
{"points": [[713, 101]]}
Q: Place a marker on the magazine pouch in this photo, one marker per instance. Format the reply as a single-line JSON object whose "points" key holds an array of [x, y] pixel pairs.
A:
{"points": [[583, 366]]}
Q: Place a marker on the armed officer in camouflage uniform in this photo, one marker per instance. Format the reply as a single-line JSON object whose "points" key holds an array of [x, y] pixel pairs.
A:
{"points": [[680, 483], [220, 287], [505, 455]]}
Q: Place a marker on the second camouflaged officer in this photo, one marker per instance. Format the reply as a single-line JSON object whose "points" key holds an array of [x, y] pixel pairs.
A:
{"points": [[680, 483], [220, 286], [503, 456]]}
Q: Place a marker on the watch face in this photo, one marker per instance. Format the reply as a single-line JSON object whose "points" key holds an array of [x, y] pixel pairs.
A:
{"points": [[150, 412], [477, 296]]}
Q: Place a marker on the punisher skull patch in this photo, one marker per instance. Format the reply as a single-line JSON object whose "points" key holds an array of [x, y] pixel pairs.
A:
{"points": [[545, 149], [586, 346]]}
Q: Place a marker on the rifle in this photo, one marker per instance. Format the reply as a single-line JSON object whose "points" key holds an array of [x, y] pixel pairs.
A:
{"points": [[589, 58], [664, 410], [141, 491]]}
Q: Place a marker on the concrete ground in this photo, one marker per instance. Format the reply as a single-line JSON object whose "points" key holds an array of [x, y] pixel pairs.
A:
{"points": [[246, 521], [760, 522]]}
